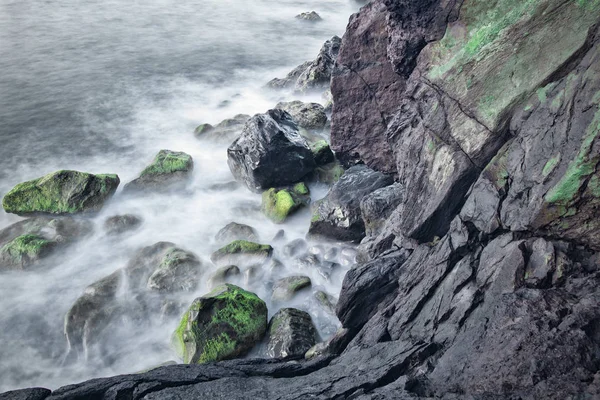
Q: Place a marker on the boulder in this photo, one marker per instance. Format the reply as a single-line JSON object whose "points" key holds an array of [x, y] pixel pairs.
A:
{"points": [[178, 270], [222, 275], [305, 115], [234, 231], [291, 333], [284, 289], [224, 132], [291, 78], [61, 192], [326, 301], [278, 204], [242, 252], [309, 16], [270, 152], [169, 170], [224, 324], [27, 243], [120, 224], [322, 153], [338, 215]]}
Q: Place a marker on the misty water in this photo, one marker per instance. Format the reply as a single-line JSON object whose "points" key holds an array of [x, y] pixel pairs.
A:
{"points": [[101, 87]]}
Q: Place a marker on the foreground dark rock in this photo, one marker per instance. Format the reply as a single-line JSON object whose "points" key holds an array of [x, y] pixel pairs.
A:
{"points": [[270, 152], [291, 334], [60, 193]]}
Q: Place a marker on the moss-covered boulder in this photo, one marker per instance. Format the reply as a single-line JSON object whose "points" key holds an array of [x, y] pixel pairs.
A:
{"points": [[278, 204], [26, 244], [322, 152], [224, 324], [242, 252], [119, 224], [170, 170], [291, 333], [61, 192], [286, 288]]}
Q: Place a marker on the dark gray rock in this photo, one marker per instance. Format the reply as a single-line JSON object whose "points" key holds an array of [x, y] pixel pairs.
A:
{"points": [[292, 77], [284, 289], [26, 394], [120, 224], [170, 170], [338, 215], [234, 231], [309, 16], [305, 115], [270, 152], [224, 132], [291, 333]]}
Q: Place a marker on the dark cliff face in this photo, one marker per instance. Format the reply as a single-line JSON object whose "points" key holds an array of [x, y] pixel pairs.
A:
{"points": [[482, 281]]}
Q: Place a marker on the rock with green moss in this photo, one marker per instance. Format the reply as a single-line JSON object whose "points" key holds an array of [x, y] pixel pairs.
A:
{"points": [[322, 152], [222, 275], [26, 244], [178, 270], [170, 170], [61, 192], [326, 301], [224, 324], [224, 132], [286, 288], [291, 333], [306, 115], [120, 224], [242, 252], [329, 173], [278, 204]]}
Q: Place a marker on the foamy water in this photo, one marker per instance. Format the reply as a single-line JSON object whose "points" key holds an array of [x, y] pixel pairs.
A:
{"points": [[102, 86]]}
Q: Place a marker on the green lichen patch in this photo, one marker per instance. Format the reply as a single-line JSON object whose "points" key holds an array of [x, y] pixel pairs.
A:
{"points": [[221, 325], [168, 162], [551, 165], [322, 152], [26, 248], [61, 192], [241, 251], [278, 204], [301, 189]]}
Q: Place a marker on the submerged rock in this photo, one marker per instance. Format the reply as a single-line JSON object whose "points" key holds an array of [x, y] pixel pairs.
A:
{"points": [[291, 333], [234, 231], [278, 204], [120, 224], [224, 132], [61, 192], [178, 270], [222, 275], [284, 289], [305, 115], [309, 16], [169, 170], [242, 252], [338, 215], [224, 324], [27, 243], [270, 152]]}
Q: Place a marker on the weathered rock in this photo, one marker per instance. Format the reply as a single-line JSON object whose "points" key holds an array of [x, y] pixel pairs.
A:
{"points": [[169, 170], [309, 16], [178, 270], [329, 173], [27, 243], [61, 192], [322, 153], [284, 289], [242, 252], [224, 132], [305, 115], [326, 301], [278, 204], [338, 215], [223, 324], [291, 334], [292, 77], [222, 275], [376, 207], [120, 224], [26, 394], [234, 231], [270, 152], [295, 248]]}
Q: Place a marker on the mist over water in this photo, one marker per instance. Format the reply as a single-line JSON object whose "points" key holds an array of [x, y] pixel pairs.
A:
{"points": [[101, 86]]}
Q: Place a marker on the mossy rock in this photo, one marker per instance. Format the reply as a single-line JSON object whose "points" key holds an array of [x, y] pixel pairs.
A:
{"points": [[278, 204], [322, 152], [329, 173], [169, 170], [61, 192], [203, 129], [179, 270], [224, 324], [286, 288], [242, 252], [25, 250]]}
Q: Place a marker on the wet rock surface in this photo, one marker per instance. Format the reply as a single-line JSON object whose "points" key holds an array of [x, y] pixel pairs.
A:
{"points": [[120, 224], [225, 131], [290, 334], [170, 170]]}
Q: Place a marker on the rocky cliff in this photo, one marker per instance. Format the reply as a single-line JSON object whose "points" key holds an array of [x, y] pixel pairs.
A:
{"points": [[481, 278]]}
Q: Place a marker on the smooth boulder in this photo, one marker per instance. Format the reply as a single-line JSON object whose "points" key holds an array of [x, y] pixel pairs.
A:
{"points": [[169, 170], [270, 152], [291, 334], [61, 192], [119, 224], [224, 324]]}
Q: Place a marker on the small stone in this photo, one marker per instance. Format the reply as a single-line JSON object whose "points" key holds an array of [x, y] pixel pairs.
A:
{"points": [[291, 333], [242, 252], [234, 231], [309, 16], [169, 170], [284, 289], [120, 224]]}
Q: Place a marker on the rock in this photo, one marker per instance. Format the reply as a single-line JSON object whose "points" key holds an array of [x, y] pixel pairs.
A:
{"points": [[270, 152], [292, 77], [234, 231], [178, 270], [295, 248], [329, 173], [279, 236], [222, 275], [62, 192], [169, 170], [242, 252], [26, 244], [317, 350], [26, 394], [309, 16], [326, 301], [305, 115], [322, 153], [377, 207], [224, 132], [224, 324], [278, 204], [120, 224], [338, 215], [284, 289], [291, 334]]}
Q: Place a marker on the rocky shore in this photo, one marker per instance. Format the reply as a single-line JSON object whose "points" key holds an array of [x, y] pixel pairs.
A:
{"points": [[465, 165]]}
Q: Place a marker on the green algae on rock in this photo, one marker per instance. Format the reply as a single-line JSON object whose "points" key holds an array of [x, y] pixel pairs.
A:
{"points": [[223, 324], [169, 170], [61, 192], [25, 249], [322, 152], [284, 289], [241, 252], [278, 204]]}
